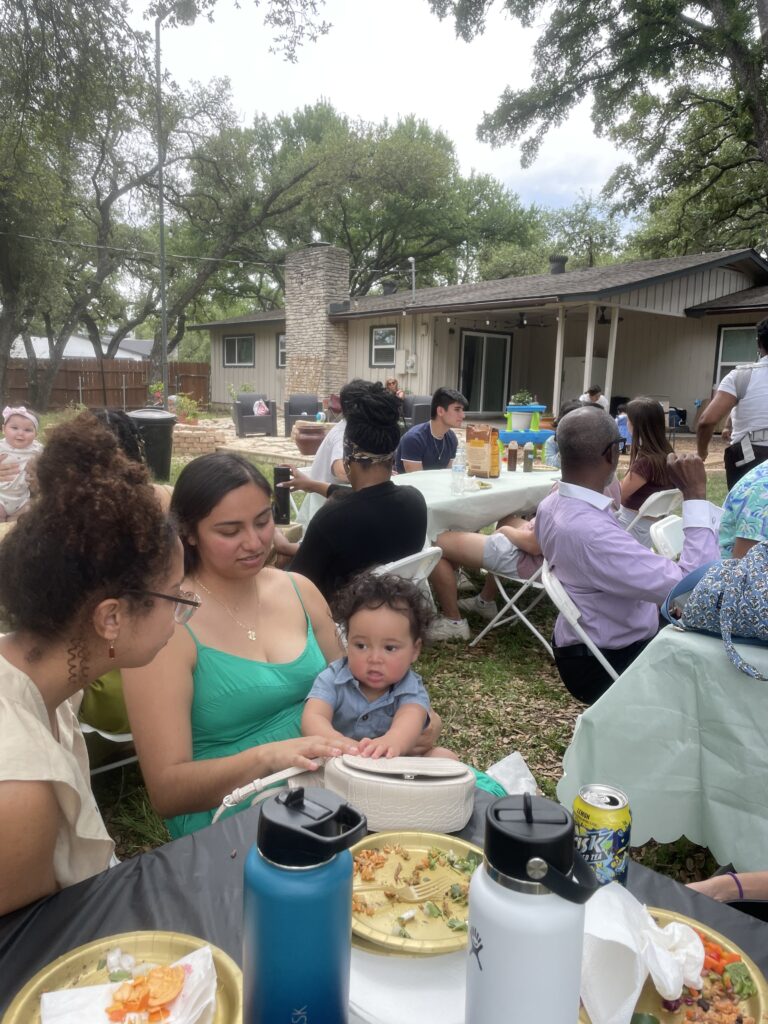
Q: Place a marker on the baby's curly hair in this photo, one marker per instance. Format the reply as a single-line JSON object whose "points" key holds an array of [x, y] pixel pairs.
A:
{"points": [[370, 591], [95, 529]]}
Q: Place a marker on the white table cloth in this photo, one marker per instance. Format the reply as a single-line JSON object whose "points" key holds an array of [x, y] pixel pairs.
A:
{"points": [[685, 735], [509, 494]]}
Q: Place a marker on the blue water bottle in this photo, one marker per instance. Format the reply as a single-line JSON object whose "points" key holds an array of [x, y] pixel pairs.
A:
{"points": [[297, 919]]}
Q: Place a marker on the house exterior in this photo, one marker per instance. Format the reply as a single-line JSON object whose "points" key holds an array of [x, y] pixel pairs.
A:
{"points": [[669, 328]]}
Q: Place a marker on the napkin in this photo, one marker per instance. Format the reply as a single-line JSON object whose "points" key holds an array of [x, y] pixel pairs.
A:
{"points": [[622, 945], [409, 990], [195, 1005]]}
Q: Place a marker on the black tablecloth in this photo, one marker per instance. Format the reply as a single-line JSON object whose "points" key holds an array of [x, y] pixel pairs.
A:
{"points": [[195, 885]]}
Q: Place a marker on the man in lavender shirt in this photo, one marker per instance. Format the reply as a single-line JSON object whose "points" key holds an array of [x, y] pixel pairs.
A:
{"points": [[616, 583]]}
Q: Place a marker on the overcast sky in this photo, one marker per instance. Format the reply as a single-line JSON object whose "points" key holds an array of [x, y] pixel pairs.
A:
{"points": [[385, 58]]}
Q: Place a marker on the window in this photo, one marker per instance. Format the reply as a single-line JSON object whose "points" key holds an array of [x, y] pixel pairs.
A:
{"points": [[281, 351], [737, 345], [383, 341], [239, 350]]}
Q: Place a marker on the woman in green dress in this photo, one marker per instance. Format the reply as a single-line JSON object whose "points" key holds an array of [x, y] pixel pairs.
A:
{"points": [[221, 704]]}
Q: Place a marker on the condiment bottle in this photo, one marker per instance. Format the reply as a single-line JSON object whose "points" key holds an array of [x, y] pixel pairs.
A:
{"points": [[526, 916], [528, 456], [298, 908], [512, 457]]}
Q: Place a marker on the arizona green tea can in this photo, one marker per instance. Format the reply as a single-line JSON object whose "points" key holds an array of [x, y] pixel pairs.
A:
{"points": [[603, 820]]}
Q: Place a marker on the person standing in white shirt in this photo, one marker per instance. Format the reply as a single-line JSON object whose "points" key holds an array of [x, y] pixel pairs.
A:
{"points": [[595, 396], [742, 394]]}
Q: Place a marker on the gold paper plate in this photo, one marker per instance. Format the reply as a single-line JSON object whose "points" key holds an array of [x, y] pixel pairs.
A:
{"points": [[429, 936], [80, 967], [650, 1000]]}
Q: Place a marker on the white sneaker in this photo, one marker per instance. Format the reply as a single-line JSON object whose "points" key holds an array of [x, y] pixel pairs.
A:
{"points": [[464, 584], [447, 629], [485, 609]]}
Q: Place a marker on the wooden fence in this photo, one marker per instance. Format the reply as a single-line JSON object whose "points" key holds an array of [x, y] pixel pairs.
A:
{"points": [[114, 383]]}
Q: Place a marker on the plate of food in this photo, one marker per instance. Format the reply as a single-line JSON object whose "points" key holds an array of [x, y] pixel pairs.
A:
{"points": [[410, 892], [125, 960], [733, 989]]}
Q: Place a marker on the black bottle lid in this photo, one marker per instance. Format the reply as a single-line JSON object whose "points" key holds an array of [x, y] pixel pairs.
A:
{"points": [[518, 828], [303, 827]]}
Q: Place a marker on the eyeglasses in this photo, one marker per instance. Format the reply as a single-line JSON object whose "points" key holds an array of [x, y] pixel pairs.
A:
{"points": [[185, 604], [622, 445]]}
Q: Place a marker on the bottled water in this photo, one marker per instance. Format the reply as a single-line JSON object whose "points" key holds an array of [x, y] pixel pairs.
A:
{"points": [[459, 470]]}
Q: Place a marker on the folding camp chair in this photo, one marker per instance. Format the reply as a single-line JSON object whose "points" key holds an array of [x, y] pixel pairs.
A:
{"points": [[511, 611], [562, 601]]}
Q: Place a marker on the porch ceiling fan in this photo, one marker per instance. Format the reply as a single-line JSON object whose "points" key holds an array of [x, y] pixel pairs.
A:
{"points": [[603, 319]]}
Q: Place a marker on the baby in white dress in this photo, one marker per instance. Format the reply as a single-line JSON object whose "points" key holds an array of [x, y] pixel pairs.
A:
{"points": [[18, 448]]}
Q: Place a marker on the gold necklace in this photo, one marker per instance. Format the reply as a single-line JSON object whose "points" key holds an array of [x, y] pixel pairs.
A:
{"points": [[250, 631]]}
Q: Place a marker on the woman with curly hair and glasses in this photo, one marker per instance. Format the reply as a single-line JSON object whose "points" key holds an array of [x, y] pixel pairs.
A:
{"points": [[90, 580]]}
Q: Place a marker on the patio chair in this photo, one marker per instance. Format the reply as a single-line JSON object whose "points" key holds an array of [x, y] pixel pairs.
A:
{"points": [[246, 422], [300, 407], [659, 504], [562, 601], [667, 536], [510, 610], [416, 409]]}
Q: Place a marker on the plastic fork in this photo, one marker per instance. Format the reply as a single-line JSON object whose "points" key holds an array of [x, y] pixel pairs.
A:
{"points": [[407, 893]]}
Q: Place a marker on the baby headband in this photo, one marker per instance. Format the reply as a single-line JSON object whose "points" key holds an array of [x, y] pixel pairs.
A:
{"points": [[354, 453], [20, 410]]}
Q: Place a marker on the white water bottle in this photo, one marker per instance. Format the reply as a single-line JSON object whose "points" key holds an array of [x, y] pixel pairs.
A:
{"points": [[526, 916], [459, 470]]}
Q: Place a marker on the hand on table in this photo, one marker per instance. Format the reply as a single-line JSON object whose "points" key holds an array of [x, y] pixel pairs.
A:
{"points": [[687, 473]]}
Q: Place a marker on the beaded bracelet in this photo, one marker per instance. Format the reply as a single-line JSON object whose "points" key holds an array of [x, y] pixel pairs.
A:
{"points": [[735, 877]]}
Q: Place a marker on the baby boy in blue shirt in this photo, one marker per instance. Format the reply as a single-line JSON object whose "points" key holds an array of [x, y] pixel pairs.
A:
{"points": [[373, 695]]}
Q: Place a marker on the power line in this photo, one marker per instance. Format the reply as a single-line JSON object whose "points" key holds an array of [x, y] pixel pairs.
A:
{"points": [[138, 252]]}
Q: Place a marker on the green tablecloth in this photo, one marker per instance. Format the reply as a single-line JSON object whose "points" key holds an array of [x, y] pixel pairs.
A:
{"points": [[685, 735]]}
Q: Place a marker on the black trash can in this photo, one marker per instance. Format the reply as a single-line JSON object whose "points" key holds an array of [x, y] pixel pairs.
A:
{"points": [[156, 429]]}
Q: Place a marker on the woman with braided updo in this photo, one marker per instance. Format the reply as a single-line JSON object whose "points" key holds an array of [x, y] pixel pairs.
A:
{"points": [[90, 580], [377, 521]]}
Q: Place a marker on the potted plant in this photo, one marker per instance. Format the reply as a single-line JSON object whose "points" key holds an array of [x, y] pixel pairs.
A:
{"points": [[155, 391], [187, 408], [521, 408]]}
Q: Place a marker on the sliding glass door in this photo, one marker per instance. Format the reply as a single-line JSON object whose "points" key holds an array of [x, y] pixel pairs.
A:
{"points": [[484, 371]]}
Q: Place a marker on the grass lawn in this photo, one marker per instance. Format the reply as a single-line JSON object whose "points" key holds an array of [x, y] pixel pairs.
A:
{"points": [[500, 696]]}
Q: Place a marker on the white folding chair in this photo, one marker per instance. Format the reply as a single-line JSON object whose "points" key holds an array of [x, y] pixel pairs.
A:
{"points": [[510, 610], [564, 604], [414, 567], [659, 504], [113, 737], [667, 536]]}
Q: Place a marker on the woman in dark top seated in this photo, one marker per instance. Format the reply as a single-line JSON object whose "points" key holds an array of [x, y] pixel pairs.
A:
{"points": [[647, 472], [375, 521]]}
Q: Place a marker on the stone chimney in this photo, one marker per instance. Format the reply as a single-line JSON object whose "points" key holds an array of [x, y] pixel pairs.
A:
{"points": [[316, 349], [388, 286], [557, 264]]}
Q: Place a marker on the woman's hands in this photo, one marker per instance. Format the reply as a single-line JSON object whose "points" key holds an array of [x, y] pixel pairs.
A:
{"points": [[299, 753]]}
